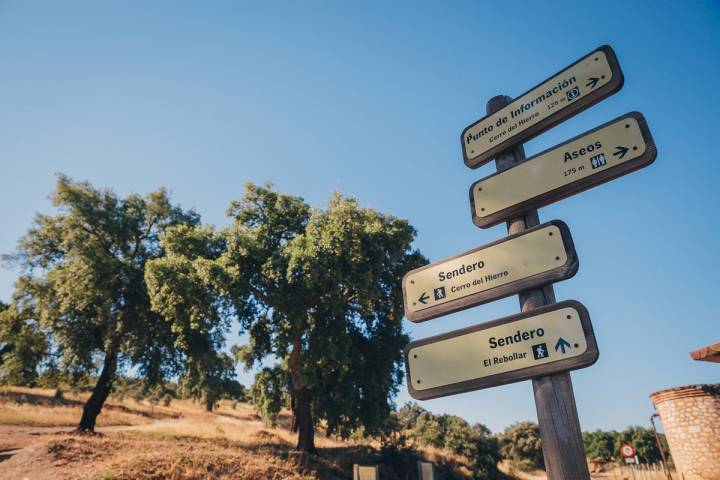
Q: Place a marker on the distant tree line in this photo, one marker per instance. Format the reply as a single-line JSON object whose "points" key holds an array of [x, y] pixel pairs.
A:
{"points": [[114, 285], [604, 446], [519, 444]]}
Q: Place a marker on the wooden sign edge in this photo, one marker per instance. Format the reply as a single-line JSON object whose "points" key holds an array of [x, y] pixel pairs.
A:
{"points": [[576, 187], [562, 272], [596, 96], [586, 359]]}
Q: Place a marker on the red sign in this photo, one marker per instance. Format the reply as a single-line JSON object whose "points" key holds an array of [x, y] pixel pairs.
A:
{"points": [[628, 451]]}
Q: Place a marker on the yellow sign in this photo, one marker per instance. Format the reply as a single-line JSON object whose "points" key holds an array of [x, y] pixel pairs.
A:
{"points": [[584, 83], [616, 148], [464, 358], [489, 272]]}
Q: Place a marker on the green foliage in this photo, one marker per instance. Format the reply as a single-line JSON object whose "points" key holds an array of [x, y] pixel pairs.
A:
{"points": [[408, 415], [430, 430], [605, 446], [455, 435], [321, 291], [643, 439], [600, 446], [391, 434], [210, 378], [84, 277], [268, 393], [521, 444], [23, 345]]}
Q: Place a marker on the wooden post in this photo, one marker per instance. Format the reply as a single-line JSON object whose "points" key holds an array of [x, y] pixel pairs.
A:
{"points": [[562, 443]]}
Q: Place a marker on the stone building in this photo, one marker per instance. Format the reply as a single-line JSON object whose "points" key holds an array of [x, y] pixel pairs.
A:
{"points": [[691, 419]]}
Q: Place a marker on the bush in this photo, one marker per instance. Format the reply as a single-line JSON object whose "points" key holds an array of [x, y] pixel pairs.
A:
{"points": [[430, 430], [453, 434], [408, 415], [600, 446], [521, 445]]}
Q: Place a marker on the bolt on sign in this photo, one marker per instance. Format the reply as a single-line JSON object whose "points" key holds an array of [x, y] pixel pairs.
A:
{"points": [[551, 339], [609, 151], [584, 83], [535, 257]]}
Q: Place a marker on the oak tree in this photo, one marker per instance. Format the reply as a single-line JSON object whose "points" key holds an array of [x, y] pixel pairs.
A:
{"points": [[320, 291], [83, 269]]}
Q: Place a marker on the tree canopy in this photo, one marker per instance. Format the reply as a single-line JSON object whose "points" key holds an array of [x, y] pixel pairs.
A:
{"points": [[320, 290], [83, 281]]}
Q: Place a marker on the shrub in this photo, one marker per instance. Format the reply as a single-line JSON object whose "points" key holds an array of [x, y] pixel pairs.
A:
{"points": [[599, 445], [521, 445]]}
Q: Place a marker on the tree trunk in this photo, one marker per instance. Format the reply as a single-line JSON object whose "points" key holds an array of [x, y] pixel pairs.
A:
{"points": [[302, 410], [293, 409], [305, 427], [94, 404]]}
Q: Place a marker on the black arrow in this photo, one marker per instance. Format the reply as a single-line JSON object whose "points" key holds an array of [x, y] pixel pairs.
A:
{"points": [[562, 344], [424, 298], [592, 81], [621, 151]]}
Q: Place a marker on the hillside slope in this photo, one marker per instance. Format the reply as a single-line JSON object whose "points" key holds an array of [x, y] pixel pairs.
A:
{"points": [[180, 441]]}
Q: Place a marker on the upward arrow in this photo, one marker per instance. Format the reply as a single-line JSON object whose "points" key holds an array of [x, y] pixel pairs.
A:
{"points": [[620, 152], [562, 344], [592, 81]]}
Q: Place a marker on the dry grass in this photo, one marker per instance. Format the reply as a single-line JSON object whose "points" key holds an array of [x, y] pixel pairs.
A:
{"points": [[60, 416], [182, 441], [39, 408]]}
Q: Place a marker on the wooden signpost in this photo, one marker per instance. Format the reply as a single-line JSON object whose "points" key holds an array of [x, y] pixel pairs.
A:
{"points": [[581, 85], [536, 257], [609, 151], [542, 341], [547, 339]]}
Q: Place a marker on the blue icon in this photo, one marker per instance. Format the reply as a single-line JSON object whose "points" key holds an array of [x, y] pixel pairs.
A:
{"points": [[573, 94]]}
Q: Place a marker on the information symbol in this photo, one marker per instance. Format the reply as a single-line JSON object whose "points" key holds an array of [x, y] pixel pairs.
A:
{"points": [[439, 293], [573, 93]]}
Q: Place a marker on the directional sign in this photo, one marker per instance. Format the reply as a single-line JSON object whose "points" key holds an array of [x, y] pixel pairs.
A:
{"points": [[546, 340], [530, 259], [584, 83], [609, 151]]}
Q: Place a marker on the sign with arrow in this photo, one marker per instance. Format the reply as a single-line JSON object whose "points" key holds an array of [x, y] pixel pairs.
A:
{"points": [[607, 152], [535, 257], [581, 85], [562, 344], [511, 349]]}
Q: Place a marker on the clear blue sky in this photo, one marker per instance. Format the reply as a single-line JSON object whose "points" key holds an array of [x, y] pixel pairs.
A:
{"points": [[369, 98]]}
